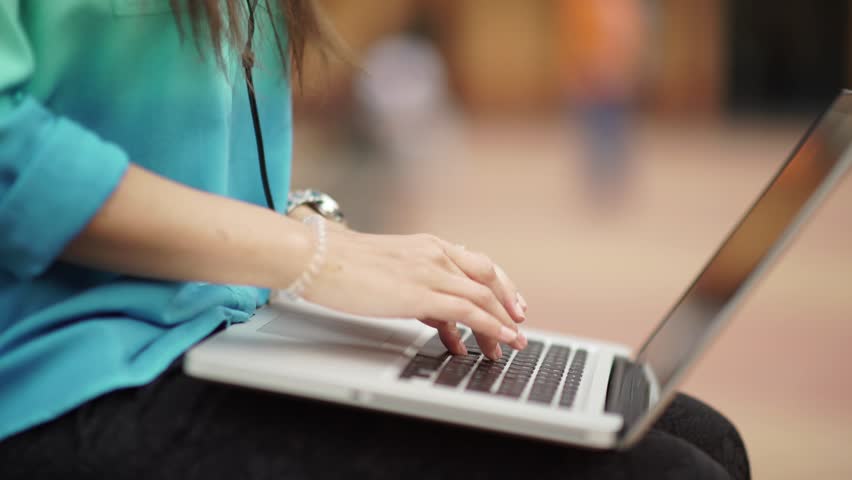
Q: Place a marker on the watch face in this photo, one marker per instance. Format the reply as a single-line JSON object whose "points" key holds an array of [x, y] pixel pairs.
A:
{"points": [[318, 201], [323, 210]]}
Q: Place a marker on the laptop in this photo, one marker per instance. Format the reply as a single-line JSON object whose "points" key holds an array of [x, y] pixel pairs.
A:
{"points": [[576, 391]]}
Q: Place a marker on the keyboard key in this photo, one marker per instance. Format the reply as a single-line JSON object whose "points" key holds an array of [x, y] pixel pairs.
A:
{"points": [[514, 375], [549, 375], [488, 371], [520, 371], [456, 369], [472, 346], [431, 356], [573, 379], [421, 366]]}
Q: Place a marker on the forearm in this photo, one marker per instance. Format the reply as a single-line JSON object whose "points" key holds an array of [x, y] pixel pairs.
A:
{"points": [[154, 227]]}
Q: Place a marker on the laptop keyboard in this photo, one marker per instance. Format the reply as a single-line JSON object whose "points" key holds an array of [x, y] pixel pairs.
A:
{"points": [[542, 372]]}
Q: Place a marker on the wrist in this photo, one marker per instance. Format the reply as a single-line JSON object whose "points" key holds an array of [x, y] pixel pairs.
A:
{"points": [[292, 247], [318, 227]]}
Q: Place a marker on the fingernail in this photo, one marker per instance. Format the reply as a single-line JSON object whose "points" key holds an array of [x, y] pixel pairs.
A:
{"points": [[507, 335], [462, 348], [496, 353], [522, 302]]}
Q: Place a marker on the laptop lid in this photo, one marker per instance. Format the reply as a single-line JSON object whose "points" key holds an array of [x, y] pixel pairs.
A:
{"points": [[817, 164]]}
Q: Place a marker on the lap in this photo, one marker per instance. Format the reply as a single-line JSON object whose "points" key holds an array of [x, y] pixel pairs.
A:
{"points": [[179, 427]]}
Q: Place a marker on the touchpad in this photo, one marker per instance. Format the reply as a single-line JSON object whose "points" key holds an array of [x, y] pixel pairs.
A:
{"points": [[309, 323]]}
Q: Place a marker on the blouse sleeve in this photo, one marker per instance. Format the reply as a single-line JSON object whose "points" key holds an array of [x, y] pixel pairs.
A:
{"points": [[54, 173]]}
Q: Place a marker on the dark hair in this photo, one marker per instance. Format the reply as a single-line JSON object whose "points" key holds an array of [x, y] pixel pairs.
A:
{"points": [[226, 21]]}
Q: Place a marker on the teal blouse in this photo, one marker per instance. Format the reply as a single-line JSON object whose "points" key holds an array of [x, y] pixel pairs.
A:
{"points": [[86, 87]]}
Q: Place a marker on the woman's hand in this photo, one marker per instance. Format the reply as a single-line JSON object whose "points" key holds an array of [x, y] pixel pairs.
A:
{"points": [[423, 277]]}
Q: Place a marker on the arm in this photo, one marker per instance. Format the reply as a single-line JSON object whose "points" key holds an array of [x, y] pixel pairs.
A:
{"points": [[154, 227]]}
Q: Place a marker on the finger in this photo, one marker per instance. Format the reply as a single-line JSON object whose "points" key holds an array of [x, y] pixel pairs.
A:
{"points": [[520, 342], [445, 308], [489, 346], [519, 299], [483, 297], [450, 336], [481, 269], [477, 293]]}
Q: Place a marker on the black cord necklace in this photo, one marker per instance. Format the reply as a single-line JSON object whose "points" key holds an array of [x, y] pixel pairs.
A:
{"points": [[248, 63]]}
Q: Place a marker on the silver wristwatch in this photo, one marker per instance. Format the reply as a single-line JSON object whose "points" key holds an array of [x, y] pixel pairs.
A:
{"points": [[319, 202]]}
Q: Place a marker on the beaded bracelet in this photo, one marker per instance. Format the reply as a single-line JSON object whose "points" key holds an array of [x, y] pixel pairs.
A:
{"points": [[295, 290]]}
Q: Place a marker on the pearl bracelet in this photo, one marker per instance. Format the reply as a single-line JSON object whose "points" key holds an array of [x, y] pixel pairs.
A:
{"points": [[295, 290]]}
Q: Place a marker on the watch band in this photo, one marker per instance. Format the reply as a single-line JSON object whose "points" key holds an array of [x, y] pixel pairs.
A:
{"points": [[318, 201]]}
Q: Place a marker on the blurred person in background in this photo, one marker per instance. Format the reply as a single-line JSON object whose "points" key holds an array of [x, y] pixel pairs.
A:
{"points": [[403, 95], [603, 43], [404, 104], [133, 226]]}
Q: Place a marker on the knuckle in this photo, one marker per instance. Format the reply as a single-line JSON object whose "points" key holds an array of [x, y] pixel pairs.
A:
{"points": [[436, 240], [446, 263], [501, 275], [490, 274], [487, 269], [428, 238], [430, 322], [436, 254]]}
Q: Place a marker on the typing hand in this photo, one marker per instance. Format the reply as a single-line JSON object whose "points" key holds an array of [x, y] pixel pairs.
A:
{"points": [[423, 277]]}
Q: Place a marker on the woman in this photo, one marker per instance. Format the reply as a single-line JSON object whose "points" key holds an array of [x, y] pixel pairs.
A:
{"points": [[130, 207]]}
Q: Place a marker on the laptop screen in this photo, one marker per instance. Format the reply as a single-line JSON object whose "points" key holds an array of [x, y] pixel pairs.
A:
{"points": [[817, 161]]}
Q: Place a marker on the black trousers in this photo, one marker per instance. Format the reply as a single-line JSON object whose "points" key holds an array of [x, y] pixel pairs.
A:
{"points": [[180, 427]]}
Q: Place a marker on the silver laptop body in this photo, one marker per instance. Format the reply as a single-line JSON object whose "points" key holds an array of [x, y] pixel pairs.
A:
{"points": [[560, 388]]}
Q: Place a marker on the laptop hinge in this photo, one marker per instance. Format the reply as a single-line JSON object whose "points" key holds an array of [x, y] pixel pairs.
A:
{"points": [[628, 392]]}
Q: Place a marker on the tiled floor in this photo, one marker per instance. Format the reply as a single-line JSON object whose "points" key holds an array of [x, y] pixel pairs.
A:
{"points": [[781, 370]]}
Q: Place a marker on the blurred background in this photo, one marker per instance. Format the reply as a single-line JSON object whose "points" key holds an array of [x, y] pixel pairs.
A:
{"points": [[600, 151]]}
